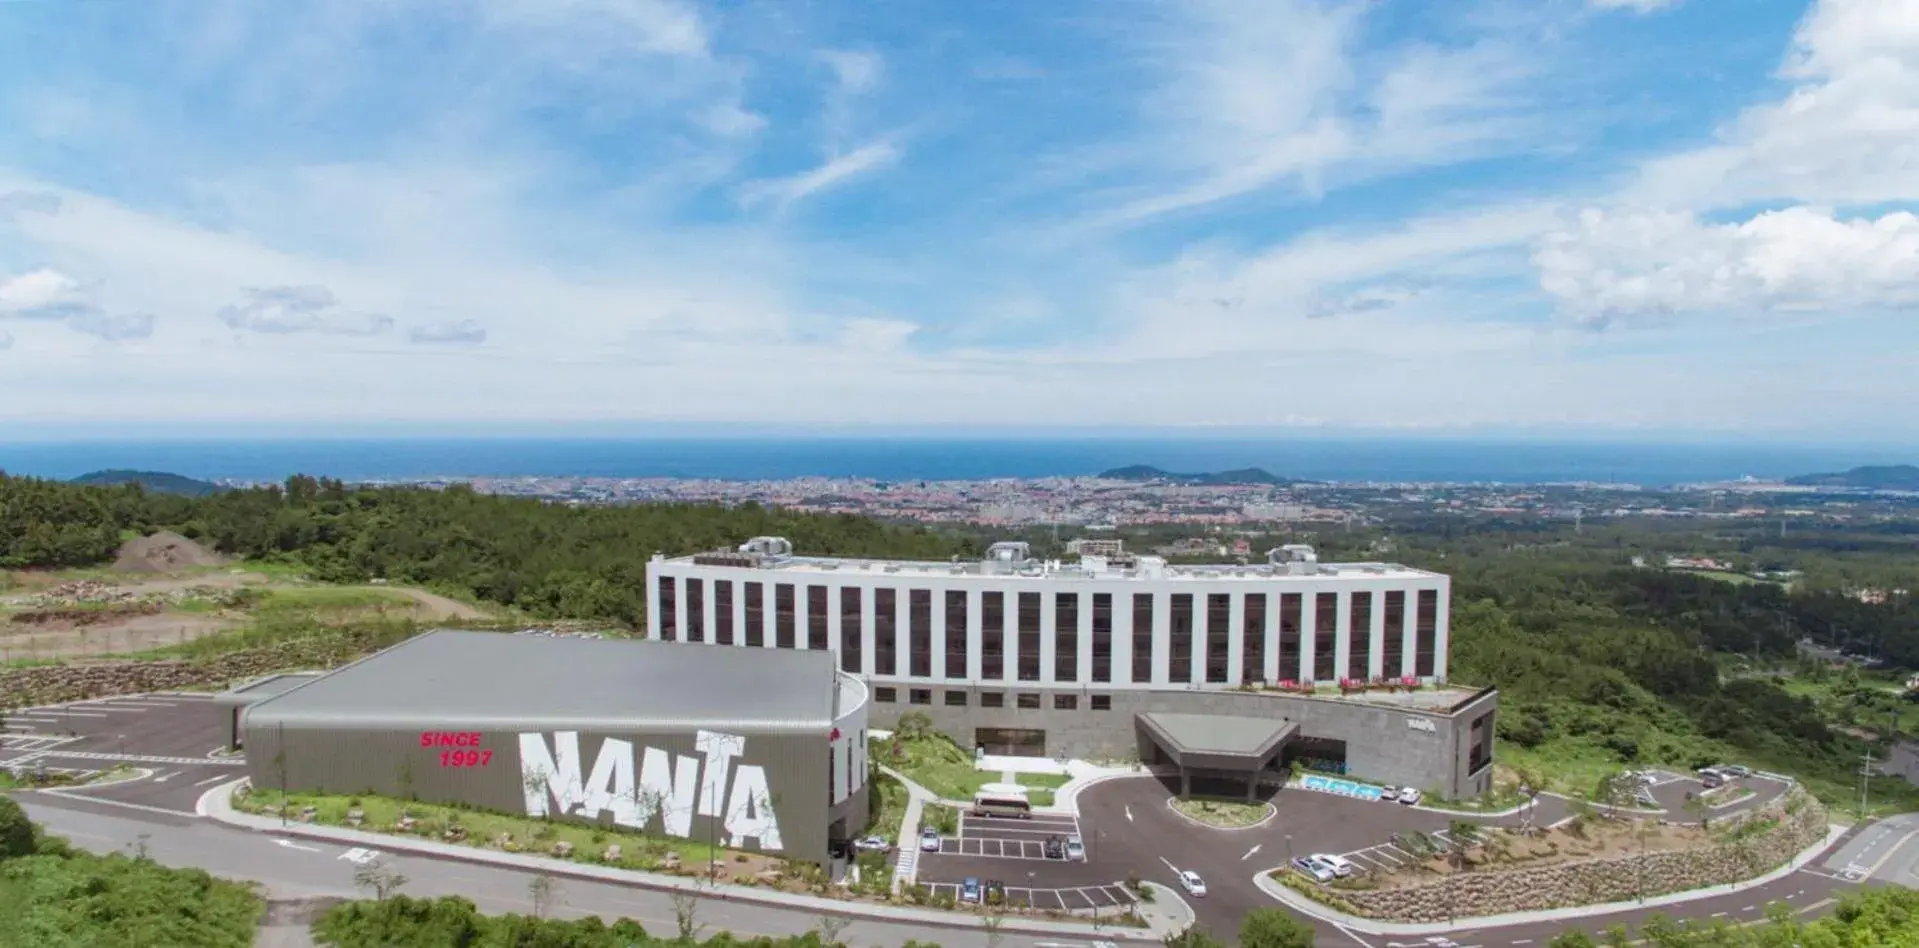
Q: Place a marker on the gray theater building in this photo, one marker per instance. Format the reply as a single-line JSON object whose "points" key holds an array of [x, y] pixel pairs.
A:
{"points": [[763, 752], [1342, 666]]}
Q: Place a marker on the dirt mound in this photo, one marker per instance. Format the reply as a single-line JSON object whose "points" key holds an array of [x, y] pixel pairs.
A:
{"points": [[163, 552]]}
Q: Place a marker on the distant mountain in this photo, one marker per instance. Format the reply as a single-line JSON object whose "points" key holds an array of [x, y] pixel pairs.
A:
{"points": [[1871, 477], [1147, 472], [155, 481]]}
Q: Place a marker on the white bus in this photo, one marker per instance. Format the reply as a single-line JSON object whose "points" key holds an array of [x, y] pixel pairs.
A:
{"points": [[1003, 800]]}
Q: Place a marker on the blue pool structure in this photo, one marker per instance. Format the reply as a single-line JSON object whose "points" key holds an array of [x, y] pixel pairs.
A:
{"points": [[1344, 788]]}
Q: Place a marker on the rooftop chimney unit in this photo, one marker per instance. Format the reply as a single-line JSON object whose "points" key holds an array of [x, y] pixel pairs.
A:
{"points": [[1298, 558]]}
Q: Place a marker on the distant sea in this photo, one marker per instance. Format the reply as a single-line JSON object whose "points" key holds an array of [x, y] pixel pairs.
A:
{"points": [[1327, 459]]}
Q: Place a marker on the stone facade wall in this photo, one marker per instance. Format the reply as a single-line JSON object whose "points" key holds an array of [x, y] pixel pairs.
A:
{"points": [[52, 684], [1802, 822]]}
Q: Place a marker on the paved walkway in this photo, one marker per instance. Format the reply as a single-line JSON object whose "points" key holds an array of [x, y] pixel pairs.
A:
{"points": [[217, 805]]}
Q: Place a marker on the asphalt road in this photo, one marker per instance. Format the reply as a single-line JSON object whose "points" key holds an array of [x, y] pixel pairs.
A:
{"points": [[172, 737]]}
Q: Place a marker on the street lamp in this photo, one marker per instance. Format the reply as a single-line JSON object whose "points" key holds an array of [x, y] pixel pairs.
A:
{"points": [[1289, 849]]}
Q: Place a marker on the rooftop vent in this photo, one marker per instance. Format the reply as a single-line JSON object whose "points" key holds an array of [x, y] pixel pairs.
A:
{"points": [[1298, 558], [768, 546]]}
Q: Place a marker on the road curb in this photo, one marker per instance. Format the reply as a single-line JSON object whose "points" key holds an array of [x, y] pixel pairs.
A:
{"points": [[216, 804], [1300, 903]]}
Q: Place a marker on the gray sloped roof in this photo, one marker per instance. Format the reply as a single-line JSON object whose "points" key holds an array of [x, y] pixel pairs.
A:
{"points": [[1218, 734], [484, 679]]}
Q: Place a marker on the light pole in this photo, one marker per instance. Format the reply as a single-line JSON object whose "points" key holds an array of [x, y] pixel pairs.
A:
{"points": [[1289, 849]]}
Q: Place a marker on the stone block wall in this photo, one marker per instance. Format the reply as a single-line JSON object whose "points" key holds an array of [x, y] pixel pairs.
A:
{"points": [[1801, 819], [52, 684]]}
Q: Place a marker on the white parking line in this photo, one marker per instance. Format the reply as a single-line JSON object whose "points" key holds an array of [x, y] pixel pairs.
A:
{"points": [[214, 779]]}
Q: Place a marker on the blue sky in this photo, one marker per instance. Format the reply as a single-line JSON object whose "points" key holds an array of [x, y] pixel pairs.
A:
{"points": [[1599, 216]]}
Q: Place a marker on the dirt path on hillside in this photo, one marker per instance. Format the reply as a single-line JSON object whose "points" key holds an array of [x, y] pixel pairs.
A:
{"points": [[434, 607]]}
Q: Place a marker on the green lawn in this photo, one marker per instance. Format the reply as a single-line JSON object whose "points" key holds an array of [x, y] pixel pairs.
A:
{"points": [[484, 828], [933, 762], [886, 800], [1042, 781]]}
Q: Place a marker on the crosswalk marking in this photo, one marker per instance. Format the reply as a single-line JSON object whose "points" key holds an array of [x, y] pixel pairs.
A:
{"points": [[141, 759]]}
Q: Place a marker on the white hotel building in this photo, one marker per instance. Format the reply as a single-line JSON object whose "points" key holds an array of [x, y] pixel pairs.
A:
{"points": [[1199, 666]]}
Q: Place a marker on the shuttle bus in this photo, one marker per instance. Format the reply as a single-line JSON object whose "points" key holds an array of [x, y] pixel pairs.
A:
{"points": [[1006, 801]]}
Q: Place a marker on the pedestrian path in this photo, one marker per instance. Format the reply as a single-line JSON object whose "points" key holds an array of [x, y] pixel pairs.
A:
{"points": [[906, 867]]}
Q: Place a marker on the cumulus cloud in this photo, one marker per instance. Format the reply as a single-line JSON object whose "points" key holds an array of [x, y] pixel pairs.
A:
{"points": [[1623, 265], [112, 327], [462, 332], [28, 202], [300, 309], [1369, 299], [37, 292]]}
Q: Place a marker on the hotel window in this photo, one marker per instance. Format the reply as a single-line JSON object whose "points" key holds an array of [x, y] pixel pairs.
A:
{"points": [[919, 617], [1103, 637], [1253, 647], [1142, 637], [755, 614], [1219, 643], [1290, 655], [1325, 636], [992, 618], [956, 699], [850, 638], [886, 621], [1100, 702], [1392, 656], [885, 695], [920, 696], [1426, 633], [1029, 636], [1029, 701], [955, 633], [723, 611], [992, 699], [1359, 657], [1180, 666], [1065, 636], [695, 610], [1065, 702], [819, 627], [784, 619], [669, 616]]}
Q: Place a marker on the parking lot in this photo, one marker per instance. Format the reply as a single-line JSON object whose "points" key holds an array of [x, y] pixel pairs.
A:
{"points": [[1012, 852], [175, 739]]}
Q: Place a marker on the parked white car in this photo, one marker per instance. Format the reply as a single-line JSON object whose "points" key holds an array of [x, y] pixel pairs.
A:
{"points": [[1341, 867], [1409, 796], [1192, 883], [1075, 850]]}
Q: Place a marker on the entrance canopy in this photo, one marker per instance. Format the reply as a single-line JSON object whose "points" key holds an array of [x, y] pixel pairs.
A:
{"points": [[1217, 742]]}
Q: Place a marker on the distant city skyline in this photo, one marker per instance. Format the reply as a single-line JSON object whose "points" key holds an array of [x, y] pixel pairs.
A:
{"points": [[1588, 219]]}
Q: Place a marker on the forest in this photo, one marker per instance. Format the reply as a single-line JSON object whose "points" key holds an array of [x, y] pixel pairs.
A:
{"points": [[1600, 663]]}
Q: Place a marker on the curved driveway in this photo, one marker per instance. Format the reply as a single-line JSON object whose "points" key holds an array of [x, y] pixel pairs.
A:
{"points": [[1129, 828]]}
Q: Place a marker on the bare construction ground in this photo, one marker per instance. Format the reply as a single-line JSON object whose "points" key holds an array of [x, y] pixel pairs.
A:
{"points": [[167, 590]]}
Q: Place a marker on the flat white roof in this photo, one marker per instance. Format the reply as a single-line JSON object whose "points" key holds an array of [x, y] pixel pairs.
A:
{"points": [[1055, 571]]}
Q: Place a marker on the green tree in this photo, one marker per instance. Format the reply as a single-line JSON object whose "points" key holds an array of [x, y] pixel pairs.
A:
{"points": [[1192, 936], [1274, 928], [16, 831]]}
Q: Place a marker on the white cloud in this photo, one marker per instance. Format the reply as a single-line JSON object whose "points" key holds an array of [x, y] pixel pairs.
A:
{"points": [[645, 26], [300, 309], [1847, 133], [112, 327], [1627, 265], [6, 339], [855, 71], [834, 172], [1637, 6], [37, 290], [462, 332], [1256, 94]]}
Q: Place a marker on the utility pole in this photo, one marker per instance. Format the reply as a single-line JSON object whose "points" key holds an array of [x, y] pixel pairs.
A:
{"points": [[1865, 779]]}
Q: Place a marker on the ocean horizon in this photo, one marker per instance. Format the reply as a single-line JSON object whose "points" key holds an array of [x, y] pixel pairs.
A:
{"points": [[897, 459]]}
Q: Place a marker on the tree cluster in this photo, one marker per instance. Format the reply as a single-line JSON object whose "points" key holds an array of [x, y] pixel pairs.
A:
{"points": [[53, 896]]}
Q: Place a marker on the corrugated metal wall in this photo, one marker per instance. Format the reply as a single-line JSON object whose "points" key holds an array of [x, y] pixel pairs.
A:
{"points": [[485, 769]]}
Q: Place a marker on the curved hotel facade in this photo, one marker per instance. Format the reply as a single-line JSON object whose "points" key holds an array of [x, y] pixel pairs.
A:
{"points": [[1017, 655]]}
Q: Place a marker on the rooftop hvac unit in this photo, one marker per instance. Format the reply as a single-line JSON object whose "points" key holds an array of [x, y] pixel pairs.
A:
{"points": [[768, 546], [1009, 551]]}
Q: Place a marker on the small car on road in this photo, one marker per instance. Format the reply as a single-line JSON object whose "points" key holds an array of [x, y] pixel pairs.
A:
{"points": [[970, 891], [1075, 849], [1341, 867], [929, 840], [1409, 796], [1192, 883], [1055, 848], [873, 844]]}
